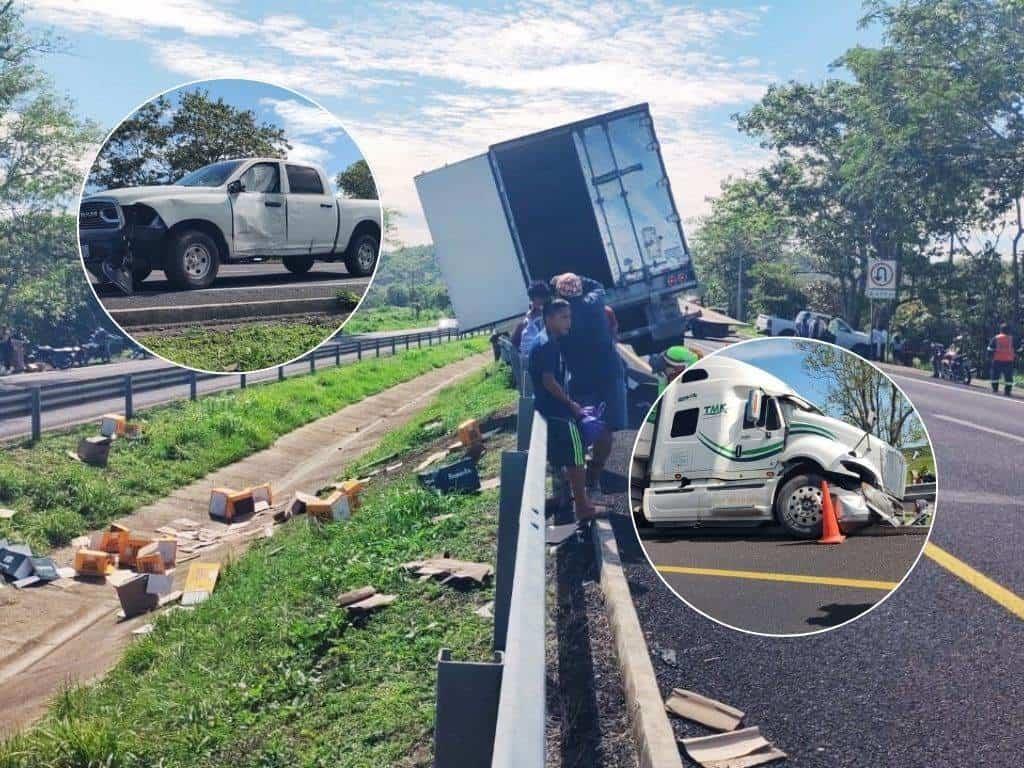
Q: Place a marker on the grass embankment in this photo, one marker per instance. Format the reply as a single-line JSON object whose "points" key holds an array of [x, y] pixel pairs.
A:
{"points": [[241, 349], [58, 499], [269, 671], [392, 319]]}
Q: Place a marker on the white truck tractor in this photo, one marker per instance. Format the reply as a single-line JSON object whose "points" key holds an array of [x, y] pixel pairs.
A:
{"points": [[223, 212], [733, 445]]}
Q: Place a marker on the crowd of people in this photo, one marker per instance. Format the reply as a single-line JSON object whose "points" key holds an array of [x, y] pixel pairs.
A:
{"points": [[568, 336]]}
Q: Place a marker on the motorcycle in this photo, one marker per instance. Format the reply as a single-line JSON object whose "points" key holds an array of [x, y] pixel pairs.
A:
{"points": [[956, 368], [57, 357]]}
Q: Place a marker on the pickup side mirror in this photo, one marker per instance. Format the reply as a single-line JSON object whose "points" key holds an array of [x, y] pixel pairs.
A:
{"points": [[753, 410], [235, 187]]}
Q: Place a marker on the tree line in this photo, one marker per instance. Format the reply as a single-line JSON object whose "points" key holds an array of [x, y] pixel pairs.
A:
{"points": [[912, 151]]}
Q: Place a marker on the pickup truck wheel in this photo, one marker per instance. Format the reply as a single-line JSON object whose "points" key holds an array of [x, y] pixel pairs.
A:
{"points": [[361, 257], [193, 260], [798, 505], [298, 265]]}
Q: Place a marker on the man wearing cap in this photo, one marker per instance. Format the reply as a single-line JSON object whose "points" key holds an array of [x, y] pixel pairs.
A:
{"points": [[676, 359]]}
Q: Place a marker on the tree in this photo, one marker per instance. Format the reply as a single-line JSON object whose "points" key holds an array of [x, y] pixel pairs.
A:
{"points": [[40, 144], [356, 181], [860, 394], [161, 141]]}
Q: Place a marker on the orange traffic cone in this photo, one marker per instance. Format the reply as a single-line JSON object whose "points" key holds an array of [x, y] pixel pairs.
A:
{"points": [[829, 523]]}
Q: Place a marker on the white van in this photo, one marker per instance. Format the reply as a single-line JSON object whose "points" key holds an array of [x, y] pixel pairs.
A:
{"points": [[734, 445]]}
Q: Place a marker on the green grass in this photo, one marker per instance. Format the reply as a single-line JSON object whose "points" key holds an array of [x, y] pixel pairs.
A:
{"points": [[923, 462], [241, 349], [58, 499], [392, 319], [269, 671]]}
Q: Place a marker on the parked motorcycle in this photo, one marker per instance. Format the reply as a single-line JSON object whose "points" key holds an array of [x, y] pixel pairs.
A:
{"points": [[57, 357], [956, 367]]}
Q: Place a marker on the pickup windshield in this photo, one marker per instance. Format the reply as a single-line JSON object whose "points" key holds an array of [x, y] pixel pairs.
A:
{"points": [[212, 175]]}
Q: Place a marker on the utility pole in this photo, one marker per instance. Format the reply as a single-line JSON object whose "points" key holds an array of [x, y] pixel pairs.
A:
{"points": [[739, 286]]}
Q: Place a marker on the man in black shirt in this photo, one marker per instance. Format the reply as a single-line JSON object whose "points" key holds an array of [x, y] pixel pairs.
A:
{"points": [[547, 370]]}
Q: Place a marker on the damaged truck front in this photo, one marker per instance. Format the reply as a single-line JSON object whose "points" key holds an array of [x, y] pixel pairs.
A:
{"points": [[224, 212]]}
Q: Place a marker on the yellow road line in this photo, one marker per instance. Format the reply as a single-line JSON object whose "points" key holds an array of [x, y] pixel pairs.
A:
{"points": [[976, 579], [795, 578]]}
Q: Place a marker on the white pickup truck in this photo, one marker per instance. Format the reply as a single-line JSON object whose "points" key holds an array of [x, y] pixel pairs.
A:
{"points": [[223, 212], [838, 331]]}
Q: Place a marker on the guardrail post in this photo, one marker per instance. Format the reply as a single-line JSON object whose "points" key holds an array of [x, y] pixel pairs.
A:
{"points": [[378, 347], [37, 413], [129, 406], [312, 361], [466, 711], [513, 473], [407, 341], [242, 381], [393, 340], [191, 385], [337, 355], [419, 340], [359, 350], [280, 373], [524, 423]]}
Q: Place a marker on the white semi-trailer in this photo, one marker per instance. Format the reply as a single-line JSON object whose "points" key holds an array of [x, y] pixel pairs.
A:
{"points": [[590, 197]]}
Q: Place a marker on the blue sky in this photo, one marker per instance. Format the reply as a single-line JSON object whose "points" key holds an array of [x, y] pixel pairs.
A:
{"points": [[315, 135], [418, 84]]}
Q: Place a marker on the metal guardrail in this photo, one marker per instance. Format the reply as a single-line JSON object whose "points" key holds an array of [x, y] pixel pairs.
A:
{"points": [[492, 714], [917, 491], [21, 401]]}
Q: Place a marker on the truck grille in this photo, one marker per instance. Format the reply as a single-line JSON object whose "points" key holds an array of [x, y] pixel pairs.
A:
{"points": [[894, 473], [99, 215]]}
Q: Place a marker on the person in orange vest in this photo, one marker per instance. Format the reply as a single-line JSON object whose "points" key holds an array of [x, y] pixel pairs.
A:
{"points": [[1003, 353]]}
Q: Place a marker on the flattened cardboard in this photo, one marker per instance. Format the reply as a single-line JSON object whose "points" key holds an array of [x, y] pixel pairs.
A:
{"points": [[372, 603], [202, 577], [159, 583], [355, 595], [7, 514], [714, 714], [716, 751], [761, 757], [45, 569], [28, 581], [451, 569]]}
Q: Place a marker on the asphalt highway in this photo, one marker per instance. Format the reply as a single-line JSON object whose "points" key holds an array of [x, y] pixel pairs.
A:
{"points": [[934, 675]]}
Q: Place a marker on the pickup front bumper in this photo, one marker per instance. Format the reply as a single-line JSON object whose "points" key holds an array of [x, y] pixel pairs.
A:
{"points": [[112, 249]]}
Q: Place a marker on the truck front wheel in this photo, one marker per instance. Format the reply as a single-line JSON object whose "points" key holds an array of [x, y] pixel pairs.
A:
{"points": [[361, 256], [798, 505], [298, 265], [193, 260]]}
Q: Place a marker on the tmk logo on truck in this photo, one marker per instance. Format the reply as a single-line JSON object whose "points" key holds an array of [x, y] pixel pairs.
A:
{"points": [[717, 409]]}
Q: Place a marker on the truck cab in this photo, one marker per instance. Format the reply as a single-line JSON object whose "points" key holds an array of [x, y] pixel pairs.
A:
{"points": [[733, 445]]}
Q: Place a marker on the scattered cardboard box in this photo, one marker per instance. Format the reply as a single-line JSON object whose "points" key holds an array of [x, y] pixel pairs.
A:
{"points": [[202, 577], [372, 603], [431, 459], [94, 451], [744, 748], [149, 560], [28, 581], [700, 709], [355, 595], [130, 547], [226, 504], [113, 425], [469, 433], [15, 561], [334, 508], [93, 562], [262, 497], [7, 514], [45, 569], [459, 477], [134, 596], [112, 540]]}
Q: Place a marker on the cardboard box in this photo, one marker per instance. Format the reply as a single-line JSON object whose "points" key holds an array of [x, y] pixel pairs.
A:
{"points": [[45, 569], [262, 496], [16, 562], [352, 489], [332, 509], [94, 451], [134, 597], [469, 432], [149, 560], [111, 540], [226, 504], [113, 425], [93, 562], [130, 550]]}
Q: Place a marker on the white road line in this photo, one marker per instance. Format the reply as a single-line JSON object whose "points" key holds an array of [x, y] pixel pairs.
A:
{"points": [[962, 423], [949, 387]]}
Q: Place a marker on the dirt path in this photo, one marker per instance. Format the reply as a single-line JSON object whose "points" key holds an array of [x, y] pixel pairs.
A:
{"points": [[50, 638]]}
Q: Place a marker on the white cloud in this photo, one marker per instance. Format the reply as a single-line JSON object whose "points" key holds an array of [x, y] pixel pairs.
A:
{"points": [[431, 82], [135, 19]]}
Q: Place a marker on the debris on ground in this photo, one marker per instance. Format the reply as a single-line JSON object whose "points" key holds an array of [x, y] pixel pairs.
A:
{"points": [[554, 535], [449, 569], [372, 603], [227, 504], [459, 477], [736, 749], [145, 629], [94, 451], [93, 563], [700, 709], [490, 484], [7, 514], [346, 599], [441, 518], [202, 577], [667, 655], [485, 611], [430, 460], [433, 427]]}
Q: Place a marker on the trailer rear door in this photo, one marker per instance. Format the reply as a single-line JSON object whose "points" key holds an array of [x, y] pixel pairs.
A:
{"points": [[473, 243]]}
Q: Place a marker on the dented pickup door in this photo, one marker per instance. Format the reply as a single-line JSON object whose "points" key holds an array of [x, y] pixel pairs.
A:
{"points": [[258, 211]]}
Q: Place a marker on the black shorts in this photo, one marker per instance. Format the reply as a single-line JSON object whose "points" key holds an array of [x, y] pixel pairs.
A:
{"points": [[565, 443]]}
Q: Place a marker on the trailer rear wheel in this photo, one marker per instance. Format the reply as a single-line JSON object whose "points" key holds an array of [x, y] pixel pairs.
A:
{"points": [[798, 505], [298, 265]]}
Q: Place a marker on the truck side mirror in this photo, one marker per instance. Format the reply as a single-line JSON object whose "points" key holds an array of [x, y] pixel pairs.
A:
{"points": [[235, 187], [753, 410]]}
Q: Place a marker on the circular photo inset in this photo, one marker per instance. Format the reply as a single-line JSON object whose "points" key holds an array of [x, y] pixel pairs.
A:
{"points": [[782, 486], [229, 225]]}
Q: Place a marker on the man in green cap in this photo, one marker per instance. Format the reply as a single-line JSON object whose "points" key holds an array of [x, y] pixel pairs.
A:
{"points": [[677, 359]]}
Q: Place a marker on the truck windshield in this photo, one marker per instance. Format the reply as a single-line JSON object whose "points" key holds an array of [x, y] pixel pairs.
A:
{"points": [[212, 175], [801, 404]]}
